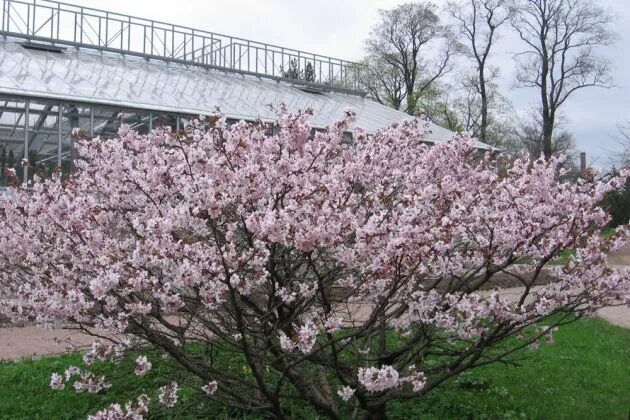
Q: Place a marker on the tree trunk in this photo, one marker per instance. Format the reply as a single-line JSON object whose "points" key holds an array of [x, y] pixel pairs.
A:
{"points": [[484, 105], [547, 135], [412, 103], [377, 413]]}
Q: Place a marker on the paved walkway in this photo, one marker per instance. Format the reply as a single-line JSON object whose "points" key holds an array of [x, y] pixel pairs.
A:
{"points": [[31, 341]]}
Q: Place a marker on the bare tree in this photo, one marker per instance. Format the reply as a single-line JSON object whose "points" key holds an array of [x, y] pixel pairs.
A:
{"points": [[400, 45], [560, 37], [478, 22], [532, 138], [622, 159]]}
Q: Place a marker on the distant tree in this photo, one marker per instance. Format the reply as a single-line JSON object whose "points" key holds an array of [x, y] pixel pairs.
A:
{"points": [[617, 203], [623, 159], [400, 45], [560, 38], [292, 71], [309, 72], [532, 138], [477, 22], [440, 107], [459, 108]]}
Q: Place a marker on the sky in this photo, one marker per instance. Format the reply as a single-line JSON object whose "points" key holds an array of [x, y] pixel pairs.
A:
{"points": [[338, 28]]}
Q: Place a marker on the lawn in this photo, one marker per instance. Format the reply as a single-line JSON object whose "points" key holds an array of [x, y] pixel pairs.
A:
{"points": [[584, 375]]}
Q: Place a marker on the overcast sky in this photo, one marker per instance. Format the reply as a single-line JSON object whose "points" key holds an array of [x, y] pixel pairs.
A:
{"points": [[338, 28]]}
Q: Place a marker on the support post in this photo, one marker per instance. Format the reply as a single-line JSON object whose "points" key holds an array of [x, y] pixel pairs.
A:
{"points": [[59, 134], [91, 122], [26, 133]]}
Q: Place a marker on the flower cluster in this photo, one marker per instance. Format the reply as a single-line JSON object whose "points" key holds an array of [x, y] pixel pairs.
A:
{"points": [[345, 392], [83, 381], [168, 394], [210, 388], [137, 410], [103, 352], [143, 366], [378, 379]]}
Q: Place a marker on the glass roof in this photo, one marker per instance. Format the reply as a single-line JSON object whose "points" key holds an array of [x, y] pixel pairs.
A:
{"points": [[131, 82]]}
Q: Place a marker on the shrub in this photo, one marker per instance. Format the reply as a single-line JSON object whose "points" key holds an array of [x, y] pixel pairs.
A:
{"points": [[345, 274], [617, 204]]}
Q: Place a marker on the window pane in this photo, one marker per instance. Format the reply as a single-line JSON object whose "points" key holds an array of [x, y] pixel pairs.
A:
{"points": [[43, 139], [11, 139], [74, 117]]}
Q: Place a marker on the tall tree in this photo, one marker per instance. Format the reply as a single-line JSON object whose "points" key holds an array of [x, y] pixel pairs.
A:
{"points": [[400, 45], [477, 22], [559, 58]]}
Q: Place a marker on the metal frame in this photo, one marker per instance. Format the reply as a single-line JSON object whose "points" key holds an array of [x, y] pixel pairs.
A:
{"points": [[66, 24], [97, 119], [31, 116]]}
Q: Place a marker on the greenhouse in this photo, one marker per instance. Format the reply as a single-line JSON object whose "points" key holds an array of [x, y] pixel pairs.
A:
{"points": [[65, 67]]}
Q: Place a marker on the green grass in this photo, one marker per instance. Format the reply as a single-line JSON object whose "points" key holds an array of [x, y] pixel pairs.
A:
{"points": [[563, 257], [584, 375], [26, 393]]}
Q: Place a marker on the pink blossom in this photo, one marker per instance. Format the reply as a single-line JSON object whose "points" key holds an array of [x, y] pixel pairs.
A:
{"points": [[57, 381], [286, 343], [168, 394], [333, 324], [143, 366], [89, 382], [70, 372], [345, 392], [137, 410], [375, 379], [306, 337], [210, 388]]}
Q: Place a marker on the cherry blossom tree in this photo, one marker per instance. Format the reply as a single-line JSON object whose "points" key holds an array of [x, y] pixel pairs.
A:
{"points": [[346, 273]]}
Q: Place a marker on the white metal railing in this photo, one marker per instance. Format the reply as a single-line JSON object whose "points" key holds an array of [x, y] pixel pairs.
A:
{"points": [[63, 23]]}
